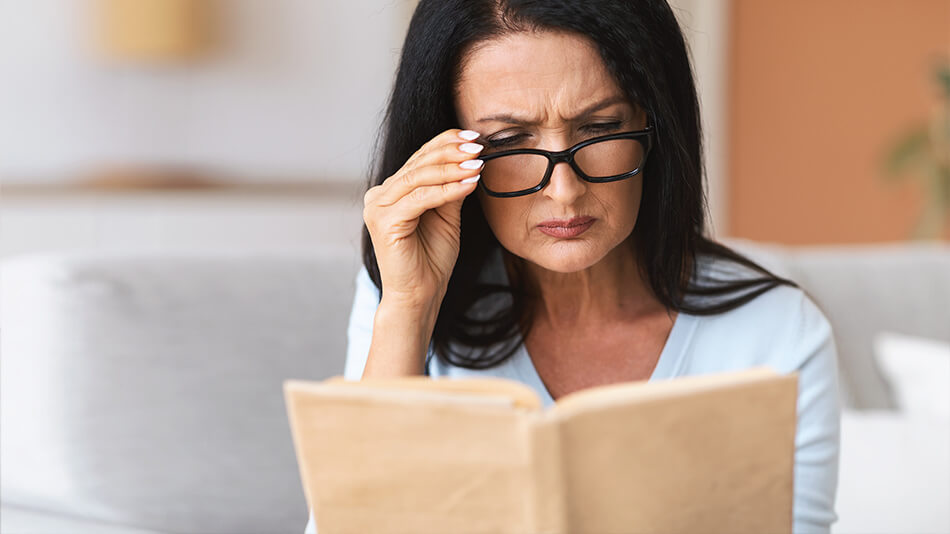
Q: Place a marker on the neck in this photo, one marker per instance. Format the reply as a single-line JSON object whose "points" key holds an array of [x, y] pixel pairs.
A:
{"points": [[610, 291]]}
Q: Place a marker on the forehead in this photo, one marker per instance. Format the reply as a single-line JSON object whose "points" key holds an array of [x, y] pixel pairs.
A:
{"points": [[527, 70]]}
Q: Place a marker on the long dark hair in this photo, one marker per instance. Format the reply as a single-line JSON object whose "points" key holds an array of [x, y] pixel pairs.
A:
{"points": [[643, 48]]}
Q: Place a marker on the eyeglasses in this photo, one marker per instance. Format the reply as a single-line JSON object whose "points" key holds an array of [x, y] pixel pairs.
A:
{"points": [[607, 158]]}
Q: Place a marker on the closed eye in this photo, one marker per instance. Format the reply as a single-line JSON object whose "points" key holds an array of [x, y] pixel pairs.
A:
{"points": [[504, 141], [603, 127], [598, 128]]}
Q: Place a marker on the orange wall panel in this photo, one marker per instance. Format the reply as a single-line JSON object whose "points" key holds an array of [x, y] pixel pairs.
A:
{"points": [[818, 92]]}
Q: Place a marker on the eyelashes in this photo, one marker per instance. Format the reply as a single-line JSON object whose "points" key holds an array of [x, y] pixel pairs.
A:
{"points": [[595, 129], [504, 141]]}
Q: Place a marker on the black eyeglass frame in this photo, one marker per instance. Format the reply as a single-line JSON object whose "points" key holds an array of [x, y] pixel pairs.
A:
{"points": [[568, 156]]}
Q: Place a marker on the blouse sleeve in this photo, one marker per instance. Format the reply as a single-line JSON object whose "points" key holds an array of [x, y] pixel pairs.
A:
{"points": [[311, 526], [817, 439], [359, 333]]}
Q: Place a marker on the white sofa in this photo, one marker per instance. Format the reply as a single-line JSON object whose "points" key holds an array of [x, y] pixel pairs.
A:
{"points": [[141, 393]]}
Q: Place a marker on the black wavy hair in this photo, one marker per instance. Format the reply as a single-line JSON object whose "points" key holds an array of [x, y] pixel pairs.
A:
{"points": [[642, 46]]}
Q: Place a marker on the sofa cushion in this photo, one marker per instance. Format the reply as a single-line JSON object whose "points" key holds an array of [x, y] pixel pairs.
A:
{"points": [[894, 474], [147, 390], [866, 289], [918, 371], [15, 520]]}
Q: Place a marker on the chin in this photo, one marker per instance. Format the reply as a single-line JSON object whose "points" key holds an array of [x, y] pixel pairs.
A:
{"points": [[567, 257]]}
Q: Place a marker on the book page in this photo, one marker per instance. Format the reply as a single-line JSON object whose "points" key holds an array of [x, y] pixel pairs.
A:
{"points": [[388, 461], [694, 454], [642, 390], [521, 395]]}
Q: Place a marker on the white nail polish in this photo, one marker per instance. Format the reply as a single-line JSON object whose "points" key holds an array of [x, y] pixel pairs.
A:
{"points": [[471, 148], [472, 179], [471, 164], [468, 135]]}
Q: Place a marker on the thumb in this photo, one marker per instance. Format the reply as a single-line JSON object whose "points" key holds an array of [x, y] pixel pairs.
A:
{"points": [[451, 212]]}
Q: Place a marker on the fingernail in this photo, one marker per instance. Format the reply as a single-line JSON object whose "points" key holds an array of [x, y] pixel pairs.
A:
{"points": [[468, 135], [471, 148], [471, 164], [472, 179]]}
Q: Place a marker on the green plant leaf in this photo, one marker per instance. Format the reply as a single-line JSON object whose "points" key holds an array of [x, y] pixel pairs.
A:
{"points": [[907, 152], [943, 78]]}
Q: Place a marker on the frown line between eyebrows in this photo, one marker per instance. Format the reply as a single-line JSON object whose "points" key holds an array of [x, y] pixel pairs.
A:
{"points": [[584, 113]]}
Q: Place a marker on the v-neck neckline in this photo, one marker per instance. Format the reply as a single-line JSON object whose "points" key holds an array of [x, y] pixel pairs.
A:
{"points": [[667, 365]]}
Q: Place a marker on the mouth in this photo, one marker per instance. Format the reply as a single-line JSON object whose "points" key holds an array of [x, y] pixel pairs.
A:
{"points": [[565, 223], [565, 228]]}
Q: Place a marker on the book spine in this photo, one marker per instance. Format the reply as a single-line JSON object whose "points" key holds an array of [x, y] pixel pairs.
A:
{"points": [[547, 503]]}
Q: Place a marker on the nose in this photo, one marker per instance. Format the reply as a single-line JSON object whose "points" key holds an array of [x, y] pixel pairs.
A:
{"points": [[565, 186]]}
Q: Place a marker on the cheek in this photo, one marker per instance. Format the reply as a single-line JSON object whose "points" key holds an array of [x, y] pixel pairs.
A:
{"points": [[505, 216], [627, 205]]}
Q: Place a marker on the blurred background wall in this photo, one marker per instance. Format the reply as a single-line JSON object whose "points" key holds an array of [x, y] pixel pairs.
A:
{"points": [[286, 91], [820, 91], [279, 103]]}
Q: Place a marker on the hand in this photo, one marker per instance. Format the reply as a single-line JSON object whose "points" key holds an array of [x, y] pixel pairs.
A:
{"points": [[414, 218]]}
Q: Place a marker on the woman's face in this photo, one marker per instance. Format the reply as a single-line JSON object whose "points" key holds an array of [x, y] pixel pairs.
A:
{"points": [[555, 90]]}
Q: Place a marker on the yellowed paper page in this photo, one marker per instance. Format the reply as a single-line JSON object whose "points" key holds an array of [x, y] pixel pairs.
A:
{"points": [[522, 395], [380, 463], [695, 456]]}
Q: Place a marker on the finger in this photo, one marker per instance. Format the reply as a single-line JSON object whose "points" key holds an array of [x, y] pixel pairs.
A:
{"points": [[421, 199], [402, 184], [453, 135]]}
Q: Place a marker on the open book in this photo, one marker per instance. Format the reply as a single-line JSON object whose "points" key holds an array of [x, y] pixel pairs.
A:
{"points": [[710, 453]]}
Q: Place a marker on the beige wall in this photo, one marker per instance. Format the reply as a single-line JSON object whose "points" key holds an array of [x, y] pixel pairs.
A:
{"points": [[819, 89]]}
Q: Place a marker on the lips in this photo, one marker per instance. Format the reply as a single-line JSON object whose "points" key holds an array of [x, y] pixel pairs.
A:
{"points": [[565, 223], [565, 228]]}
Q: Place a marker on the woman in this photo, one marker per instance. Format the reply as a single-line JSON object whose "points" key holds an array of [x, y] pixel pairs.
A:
{"points": [[583, 265]]}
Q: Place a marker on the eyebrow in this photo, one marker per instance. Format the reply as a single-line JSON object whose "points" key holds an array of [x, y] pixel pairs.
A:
{"points": [[512, 119]]}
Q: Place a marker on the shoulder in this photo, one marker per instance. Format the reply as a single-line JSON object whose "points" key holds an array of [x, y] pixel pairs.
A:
{"points": [[782, 328], [781, 308]]}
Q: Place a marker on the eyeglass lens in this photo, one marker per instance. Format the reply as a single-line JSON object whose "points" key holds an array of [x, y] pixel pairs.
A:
{"points": [[605, 159]]}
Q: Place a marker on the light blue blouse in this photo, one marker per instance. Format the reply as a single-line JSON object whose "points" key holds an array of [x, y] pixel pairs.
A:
{"points": [[782, 328]]}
